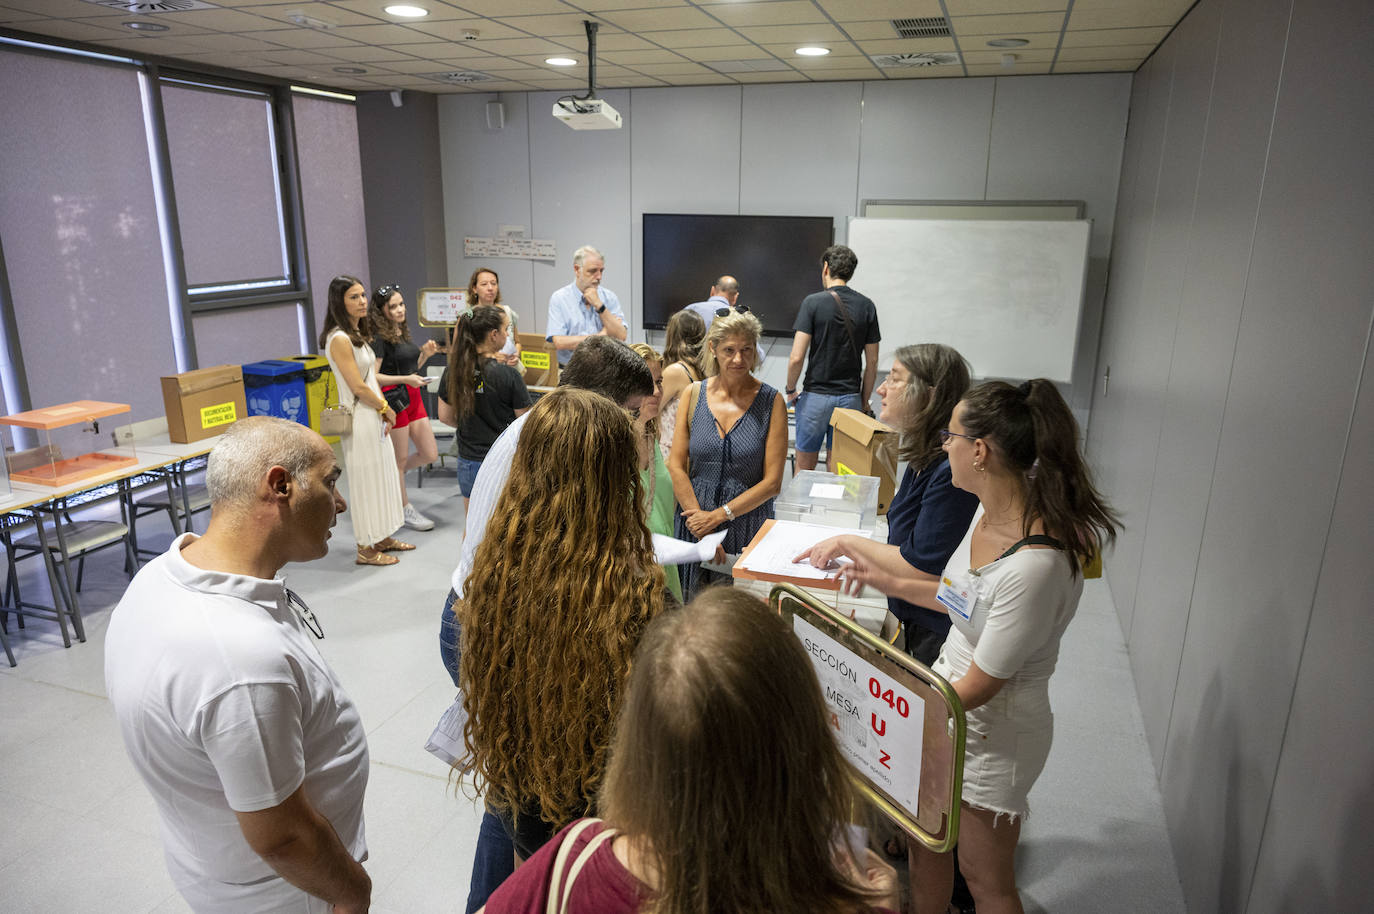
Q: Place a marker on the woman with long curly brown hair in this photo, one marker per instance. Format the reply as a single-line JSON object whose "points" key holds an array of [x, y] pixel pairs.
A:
{"points": [[726, 788], [563, 586]]}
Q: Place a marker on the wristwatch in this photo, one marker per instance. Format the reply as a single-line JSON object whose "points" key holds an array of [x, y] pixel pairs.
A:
{"points": [[601, 309], [729, 515]]}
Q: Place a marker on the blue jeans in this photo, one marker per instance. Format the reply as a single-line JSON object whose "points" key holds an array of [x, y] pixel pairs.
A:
{"points": [[467, 475], [494, 862], [813, 418]]}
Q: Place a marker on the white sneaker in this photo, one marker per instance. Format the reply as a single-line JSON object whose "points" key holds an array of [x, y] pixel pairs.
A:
{"points": [[417, 521]]}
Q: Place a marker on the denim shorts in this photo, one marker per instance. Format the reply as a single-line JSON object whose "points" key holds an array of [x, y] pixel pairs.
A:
{"points": [[813, 418], [467, 475]]}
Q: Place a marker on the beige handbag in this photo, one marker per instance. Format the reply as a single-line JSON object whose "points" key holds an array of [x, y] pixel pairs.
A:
{"points": [[335, 420]]}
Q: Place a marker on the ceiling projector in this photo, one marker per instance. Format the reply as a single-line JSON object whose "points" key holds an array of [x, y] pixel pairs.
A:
{"points": [[587, 114]]}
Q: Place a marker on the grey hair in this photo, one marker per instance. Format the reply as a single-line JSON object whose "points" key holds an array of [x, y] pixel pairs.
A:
{"points": [[251, 447], [584, 252]]}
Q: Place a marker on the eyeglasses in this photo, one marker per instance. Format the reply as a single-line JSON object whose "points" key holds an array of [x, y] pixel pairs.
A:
{"points": [[388, 290], [304, 614], [946, 434]]}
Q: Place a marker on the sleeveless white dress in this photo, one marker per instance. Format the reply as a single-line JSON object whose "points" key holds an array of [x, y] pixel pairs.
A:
{"points": [[370, 476]]}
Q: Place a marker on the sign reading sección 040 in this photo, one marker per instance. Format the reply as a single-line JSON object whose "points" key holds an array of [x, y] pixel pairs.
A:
{"points": [[878, 722]]}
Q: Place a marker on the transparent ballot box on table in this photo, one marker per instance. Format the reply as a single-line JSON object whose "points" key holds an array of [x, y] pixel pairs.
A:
{"points": [[6, 493], [60, 445], [815, 497]]}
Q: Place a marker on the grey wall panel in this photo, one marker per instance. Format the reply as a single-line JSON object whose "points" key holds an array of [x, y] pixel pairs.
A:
{"points": [[790, 166], [1040, 125], [486, 183], [925, 139], [1126, 455], [400, 163], [1317, 841], [686, 144], [1307, 304], [1218, 245], [580, 193]]}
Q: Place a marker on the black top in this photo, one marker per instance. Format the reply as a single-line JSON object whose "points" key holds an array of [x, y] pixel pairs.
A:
{"points": [[396, 359], [927, 519], [834, 363], [503, 391]]}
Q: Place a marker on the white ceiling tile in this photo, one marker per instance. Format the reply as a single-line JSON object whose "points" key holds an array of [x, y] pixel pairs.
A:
{"points": [[1096, 66], [780, 12], [907, 45], [1105, 37], [694, 38], [324, 12], [812, 33], [1027, 69], [882, 9], [675, 17], [1012, 26], [1107, 52], [987, 7], [452, 29], [994, 55]]}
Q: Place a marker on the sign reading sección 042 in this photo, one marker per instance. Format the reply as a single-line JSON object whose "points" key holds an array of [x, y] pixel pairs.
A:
{"points": [[877, 721]]}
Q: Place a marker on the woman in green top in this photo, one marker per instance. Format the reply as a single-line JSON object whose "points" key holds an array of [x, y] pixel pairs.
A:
{"points": [[653, 472]]}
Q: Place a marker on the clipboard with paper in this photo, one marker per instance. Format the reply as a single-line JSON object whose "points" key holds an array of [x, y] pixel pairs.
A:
{"points": [[900, 725]]}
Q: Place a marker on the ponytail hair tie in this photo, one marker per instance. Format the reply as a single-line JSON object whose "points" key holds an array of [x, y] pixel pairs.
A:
{"points": [[467, 312]]}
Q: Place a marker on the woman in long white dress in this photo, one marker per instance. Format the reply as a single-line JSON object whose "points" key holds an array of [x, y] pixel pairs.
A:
{"points": [[374, 490]]}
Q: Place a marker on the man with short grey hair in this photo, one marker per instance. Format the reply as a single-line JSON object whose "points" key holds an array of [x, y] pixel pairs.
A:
{"points": [[254, 754], [583, 307], [724, 297]]}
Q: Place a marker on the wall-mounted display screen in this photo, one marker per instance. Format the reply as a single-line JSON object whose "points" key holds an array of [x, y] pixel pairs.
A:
{"points": [[775, 258]]}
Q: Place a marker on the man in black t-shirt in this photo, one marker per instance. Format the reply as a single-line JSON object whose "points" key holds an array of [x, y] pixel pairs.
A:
{"points": [[837, 339]]}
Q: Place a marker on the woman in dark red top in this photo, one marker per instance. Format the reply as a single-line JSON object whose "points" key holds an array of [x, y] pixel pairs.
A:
{"points": [[725, 791]]}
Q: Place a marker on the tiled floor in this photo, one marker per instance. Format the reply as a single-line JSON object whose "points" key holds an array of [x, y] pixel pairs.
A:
{"points": [[80, 832]]}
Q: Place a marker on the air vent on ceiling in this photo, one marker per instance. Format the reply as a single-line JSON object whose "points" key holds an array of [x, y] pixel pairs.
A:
{"points": [[898, 61], [154, 6], [765, 65], [922, 27], [458, 77]]}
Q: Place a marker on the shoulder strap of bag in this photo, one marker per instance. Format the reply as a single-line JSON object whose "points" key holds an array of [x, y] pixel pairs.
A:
{"points": [[1036, 540], [848, 324], [559, 891]]}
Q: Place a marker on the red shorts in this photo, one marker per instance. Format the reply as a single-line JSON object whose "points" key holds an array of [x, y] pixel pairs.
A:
{"points": [[412, 413]]}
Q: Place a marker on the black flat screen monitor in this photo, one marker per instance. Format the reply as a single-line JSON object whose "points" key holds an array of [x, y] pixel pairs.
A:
{"points": [[777, 260]]}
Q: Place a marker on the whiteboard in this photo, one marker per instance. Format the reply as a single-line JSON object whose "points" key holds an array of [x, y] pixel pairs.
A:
{"points": [[1007, 294]]}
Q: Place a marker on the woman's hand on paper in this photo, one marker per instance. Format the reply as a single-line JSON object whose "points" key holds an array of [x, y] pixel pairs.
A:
{"points": [[823, 555]]}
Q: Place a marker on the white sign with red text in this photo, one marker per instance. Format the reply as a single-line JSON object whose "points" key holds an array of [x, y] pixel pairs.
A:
{"points": [[877, 721]]}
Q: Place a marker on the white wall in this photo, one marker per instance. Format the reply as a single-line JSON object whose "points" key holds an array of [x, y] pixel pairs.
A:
{"points": [[1236, 438], [810, 149]]}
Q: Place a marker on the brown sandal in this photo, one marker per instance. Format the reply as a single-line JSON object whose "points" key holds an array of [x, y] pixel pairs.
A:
{"points": [[393, 545], [369, 555]]}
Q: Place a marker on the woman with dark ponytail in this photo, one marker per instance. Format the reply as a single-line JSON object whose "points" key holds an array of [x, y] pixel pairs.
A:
{"points": [[1010, 589], [478, 395]]}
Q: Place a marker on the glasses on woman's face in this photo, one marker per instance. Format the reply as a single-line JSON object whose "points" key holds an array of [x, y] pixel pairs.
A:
{"points": [[946, 434]]}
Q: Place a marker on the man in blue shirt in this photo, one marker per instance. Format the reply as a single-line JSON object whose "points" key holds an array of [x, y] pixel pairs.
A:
{"points": [[584, 308], [724, 294]]}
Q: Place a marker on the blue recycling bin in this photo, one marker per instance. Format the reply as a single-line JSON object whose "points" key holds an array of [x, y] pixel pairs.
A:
{"points": [[276, 388]]}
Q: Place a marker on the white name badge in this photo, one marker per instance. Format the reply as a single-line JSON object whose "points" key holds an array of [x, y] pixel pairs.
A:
{"points": [[957, 598]]}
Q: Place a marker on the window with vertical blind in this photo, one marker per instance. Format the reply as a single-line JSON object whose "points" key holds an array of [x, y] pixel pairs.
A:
{"points": [[78, 217], [222, 144]]}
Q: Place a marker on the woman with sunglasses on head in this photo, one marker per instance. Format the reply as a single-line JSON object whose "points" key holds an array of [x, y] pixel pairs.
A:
{"points": [[479, 395], [374, 494], [484, 288], [928, 515], [1010, 589], [398, 371]]}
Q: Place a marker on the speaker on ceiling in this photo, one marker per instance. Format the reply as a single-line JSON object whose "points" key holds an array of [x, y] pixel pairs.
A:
{"points": [[496, 115]]}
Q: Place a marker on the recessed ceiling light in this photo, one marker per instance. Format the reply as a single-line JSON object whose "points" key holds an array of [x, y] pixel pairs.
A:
{"points": [[349, 70], [560, 61], [407, 11], [813, 51], [1008, 43], [142, 26]]}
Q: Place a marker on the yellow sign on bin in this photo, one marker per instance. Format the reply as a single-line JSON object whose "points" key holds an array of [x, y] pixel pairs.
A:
{"points": [[536, 360]]}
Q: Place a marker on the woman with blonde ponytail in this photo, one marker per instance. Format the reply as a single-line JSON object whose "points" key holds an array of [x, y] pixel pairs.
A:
{"points": [[1010, 589]]}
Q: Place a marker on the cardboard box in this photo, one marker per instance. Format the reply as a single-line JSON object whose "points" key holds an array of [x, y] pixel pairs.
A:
{"points": [[864, 446], [202, 403], [540, 360]]}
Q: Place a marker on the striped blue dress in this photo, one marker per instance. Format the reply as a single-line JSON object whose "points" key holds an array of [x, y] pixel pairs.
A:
{"points": [[723, 466]]}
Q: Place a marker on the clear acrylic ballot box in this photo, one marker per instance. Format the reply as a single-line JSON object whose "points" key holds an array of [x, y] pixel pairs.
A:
{"points": [[60, 445], [814, 497]]}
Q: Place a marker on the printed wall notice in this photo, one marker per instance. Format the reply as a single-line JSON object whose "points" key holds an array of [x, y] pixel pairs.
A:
{"points": [[520, 248], [878, 722]]}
